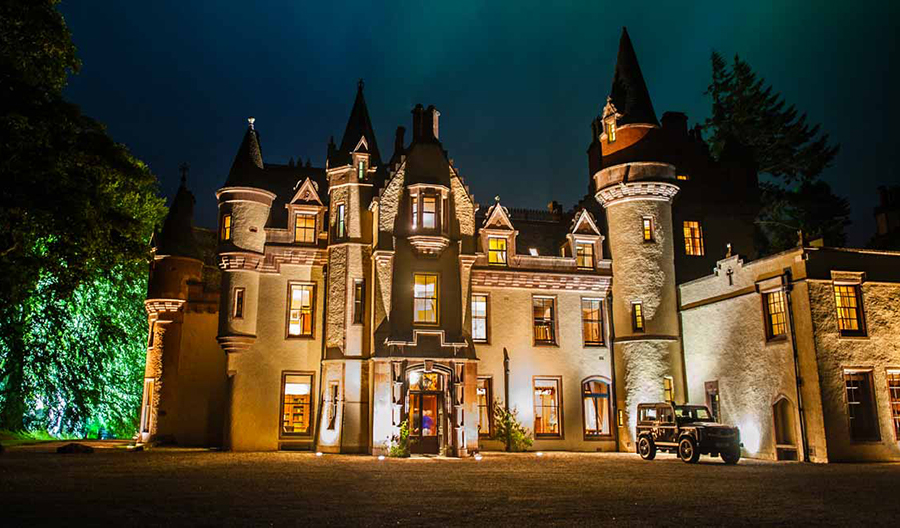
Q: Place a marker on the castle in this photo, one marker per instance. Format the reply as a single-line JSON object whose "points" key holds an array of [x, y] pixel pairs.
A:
{"points": [[334, 305]]}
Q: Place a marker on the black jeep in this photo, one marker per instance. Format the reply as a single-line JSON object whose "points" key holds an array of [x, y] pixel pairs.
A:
{"points": [[688, 430]]}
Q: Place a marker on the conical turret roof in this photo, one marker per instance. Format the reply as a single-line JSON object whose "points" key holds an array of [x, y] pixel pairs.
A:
{"points": [[177, 236], [629, 92], [359, 125], [248, 161]]}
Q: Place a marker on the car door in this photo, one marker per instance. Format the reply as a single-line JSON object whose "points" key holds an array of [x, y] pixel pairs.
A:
{"points": [[667, 426]]}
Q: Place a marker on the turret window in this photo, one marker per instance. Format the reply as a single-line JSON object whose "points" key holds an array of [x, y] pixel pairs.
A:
{"points": [[584, 255], [361, 171], [497, 251], [647, 227], [300, 310], [238, 312], [693, 238], [341, 227], [637, 317], [305, 228], [669, 388], [429, 212], [359, 305], [225, 232], [425, 298], [611, 131]]}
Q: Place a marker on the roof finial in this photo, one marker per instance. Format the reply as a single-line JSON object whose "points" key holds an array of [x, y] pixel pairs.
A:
{"points": [[251, 120], [184, 168], [361, 84], [497, 198]]}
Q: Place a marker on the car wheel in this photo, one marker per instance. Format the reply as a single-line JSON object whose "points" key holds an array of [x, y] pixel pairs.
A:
{"points": [[731, 457], [646, 448], [687, 450]]}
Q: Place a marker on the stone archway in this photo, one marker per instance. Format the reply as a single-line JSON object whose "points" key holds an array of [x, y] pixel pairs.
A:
{"points": [[783, 415]]}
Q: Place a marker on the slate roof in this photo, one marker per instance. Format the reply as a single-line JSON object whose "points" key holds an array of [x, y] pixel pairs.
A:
{"points": [[248, 161], [283, 181], [542, 230], [358, 125], [177, 235], [629, 92]]}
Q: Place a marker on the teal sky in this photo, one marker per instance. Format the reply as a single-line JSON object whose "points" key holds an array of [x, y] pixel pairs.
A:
{"points": [[517, 84]]}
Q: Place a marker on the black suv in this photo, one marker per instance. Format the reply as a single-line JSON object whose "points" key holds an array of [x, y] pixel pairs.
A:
{"points": [[688, 430]]}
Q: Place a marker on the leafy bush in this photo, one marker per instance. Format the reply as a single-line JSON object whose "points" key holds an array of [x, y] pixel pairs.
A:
{"points": [[400, 443], [509, 430]]}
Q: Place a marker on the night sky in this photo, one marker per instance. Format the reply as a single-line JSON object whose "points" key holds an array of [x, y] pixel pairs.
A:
{"points": [[517, 86]]}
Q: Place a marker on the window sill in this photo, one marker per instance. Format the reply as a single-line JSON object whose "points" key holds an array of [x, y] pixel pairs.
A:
{"points": [[595, 345], [545, 344], [301, 337], [548, 437], [481, 341], [598, 438], [854, 336], [776, 340]]}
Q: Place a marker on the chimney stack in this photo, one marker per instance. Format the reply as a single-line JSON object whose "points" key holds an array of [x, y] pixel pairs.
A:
{"points": [[432, 116], [398, 140]]}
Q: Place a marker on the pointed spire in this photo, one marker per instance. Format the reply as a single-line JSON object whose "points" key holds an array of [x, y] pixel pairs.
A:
{"points": [[358, 125], [248, 160], [629, 92], [177, 235]]}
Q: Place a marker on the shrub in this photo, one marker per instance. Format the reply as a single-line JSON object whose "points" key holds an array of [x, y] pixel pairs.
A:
{"points": [[400, 443], [509, 430]]}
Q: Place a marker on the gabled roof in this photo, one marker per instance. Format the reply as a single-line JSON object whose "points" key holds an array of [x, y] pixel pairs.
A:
{"points": [[307, 193], [358, 126], [583, 223], [629, 92], [248, 162], [497, 217]]}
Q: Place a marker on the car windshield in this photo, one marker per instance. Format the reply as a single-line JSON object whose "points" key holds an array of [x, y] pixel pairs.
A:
{"points": [[693, 413]]}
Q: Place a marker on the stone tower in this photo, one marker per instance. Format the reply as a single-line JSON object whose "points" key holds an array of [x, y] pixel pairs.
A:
{"points": [[636, 190], [351, 169]]}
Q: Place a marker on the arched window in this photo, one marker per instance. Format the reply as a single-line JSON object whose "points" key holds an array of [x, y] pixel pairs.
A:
{"points": [[595, 397]]}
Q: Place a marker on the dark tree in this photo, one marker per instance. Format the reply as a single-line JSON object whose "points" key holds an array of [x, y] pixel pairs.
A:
{"points": [[76, 214], [785, 147]]}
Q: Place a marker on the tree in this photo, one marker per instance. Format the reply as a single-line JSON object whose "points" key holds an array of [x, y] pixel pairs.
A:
{"points": [[783, 145], [76, 214]]}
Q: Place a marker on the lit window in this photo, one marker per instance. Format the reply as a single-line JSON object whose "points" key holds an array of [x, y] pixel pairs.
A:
{"points": [[340, 221], [305, 228], [693, 238], [151, 339], [429, 204], [496, 250], [425, 381], [861, 405], [445, 215], [360, 172], [546, 407], [226, 227], [637, 317], [592, 321], [485, 402], [479, 317], [533, 252], [238, 303], [776, 322], [426, 298], [647, 226], [296, 405], [595, 396], [300, 313], [333, 394], [668, 389], [359, 298], [584, 255], [683, 177], [147, 408], [544, 320], [893, 383], [849, 311], [611, 131], [415, 212]]}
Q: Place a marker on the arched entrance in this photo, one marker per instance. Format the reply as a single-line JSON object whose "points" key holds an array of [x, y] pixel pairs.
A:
{"points": [[785, 431], [425, 410]]}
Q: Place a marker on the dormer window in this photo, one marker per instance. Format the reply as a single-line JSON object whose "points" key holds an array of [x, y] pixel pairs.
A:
{"points": [[497, 251], [584, 255], [305, 228], [226, 228]]}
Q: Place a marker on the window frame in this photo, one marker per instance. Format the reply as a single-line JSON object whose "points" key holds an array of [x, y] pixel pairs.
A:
{"points": [[611, 131], [437, 298], [669, 389], [554, 317], [856, 288], [504, 251], [359, 301], [873, 401], [893, 403], [237, 309], [560, 435], [340, 224], [599, 322], [312, 230], [609, 417], [487, 317], [589, 246], [312, 311], [688, 232], [638, 316], [151, 338], [312, 403], [334, 391], [426, 198], [147, 405], [361, 170], [226, 227], [489, 397], [647, 229], [771, 336]]}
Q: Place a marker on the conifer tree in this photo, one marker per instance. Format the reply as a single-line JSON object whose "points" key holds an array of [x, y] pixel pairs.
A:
{"points": [[786, 148]]}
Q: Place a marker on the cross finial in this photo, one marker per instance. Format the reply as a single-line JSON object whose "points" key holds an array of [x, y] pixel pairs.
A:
{"points": [[728, 250], [184, 168], [251, 120]]}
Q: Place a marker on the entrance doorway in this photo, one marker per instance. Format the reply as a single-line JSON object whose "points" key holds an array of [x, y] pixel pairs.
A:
{"points": [[426, 412]]}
